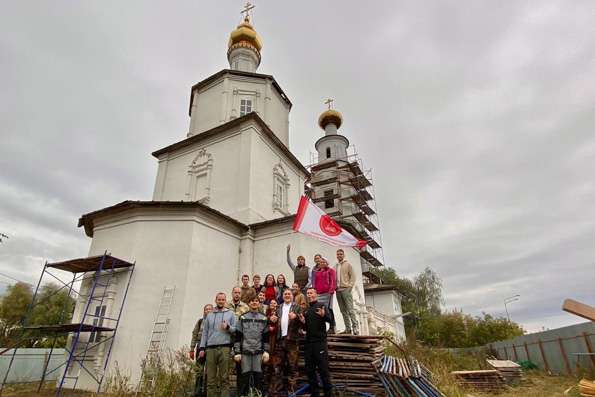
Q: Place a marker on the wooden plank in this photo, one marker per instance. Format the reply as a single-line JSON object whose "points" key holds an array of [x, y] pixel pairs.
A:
{"points": [[579, 309]]}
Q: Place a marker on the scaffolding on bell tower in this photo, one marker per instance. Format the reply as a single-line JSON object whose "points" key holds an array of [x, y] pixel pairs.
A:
{"points": [[344, 189]]}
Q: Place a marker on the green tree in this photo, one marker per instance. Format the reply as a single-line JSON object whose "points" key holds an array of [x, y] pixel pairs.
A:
{"points": [[488, 329], [12, 309], [52, 306], [422, 296], [55, 307], [428, 289]]}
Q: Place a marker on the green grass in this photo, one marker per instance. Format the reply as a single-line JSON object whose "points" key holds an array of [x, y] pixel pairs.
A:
{"points": [[441, 363]]}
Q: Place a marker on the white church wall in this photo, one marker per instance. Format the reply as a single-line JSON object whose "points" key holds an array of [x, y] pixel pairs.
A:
{"points": [[173, 249], [276, 114], [213, 268], [208, 107], [236, 171], [266, 159], [219, 102], [224, 186]]}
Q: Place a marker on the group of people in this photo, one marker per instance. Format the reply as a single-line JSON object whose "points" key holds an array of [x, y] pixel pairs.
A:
{"points": [[261, 327]]}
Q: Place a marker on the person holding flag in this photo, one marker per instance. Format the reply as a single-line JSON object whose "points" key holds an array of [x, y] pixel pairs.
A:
{"points": [[324, 281]]}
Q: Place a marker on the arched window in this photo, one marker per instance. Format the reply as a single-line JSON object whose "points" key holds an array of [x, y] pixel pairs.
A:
{"points": [[328, 152], [199, 177], [280, 189]]}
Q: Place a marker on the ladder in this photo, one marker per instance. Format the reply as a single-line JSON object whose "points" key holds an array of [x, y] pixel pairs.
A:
{"points": [[158, 336], [159, 333]]}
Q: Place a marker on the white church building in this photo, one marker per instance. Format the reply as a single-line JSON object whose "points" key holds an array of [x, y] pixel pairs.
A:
{"points": [[223, 205]]}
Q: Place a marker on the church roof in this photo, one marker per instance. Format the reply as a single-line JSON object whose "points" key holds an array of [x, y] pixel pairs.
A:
{"points": [[217, 75], [225, 127], [87, 220], [276, 221], [379, 287]]}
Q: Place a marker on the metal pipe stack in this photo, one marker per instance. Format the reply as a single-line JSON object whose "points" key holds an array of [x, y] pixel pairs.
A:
{"points": [[401, 377]]}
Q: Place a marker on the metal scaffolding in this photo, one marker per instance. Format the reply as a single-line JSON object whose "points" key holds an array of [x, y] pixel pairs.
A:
{"points": [[91, 330], [344, 189]]}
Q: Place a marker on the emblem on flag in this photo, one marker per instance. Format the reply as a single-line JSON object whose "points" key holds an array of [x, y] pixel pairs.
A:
{"points": [[313, 221]]}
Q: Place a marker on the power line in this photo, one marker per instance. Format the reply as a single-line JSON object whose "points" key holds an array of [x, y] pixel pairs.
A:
{"points": [[14, 279]]}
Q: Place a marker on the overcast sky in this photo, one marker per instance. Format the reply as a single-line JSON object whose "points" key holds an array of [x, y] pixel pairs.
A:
{"points": [[477, 119]]}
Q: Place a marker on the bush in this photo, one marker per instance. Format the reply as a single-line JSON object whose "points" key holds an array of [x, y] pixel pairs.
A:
{"points": [[171, 373]]}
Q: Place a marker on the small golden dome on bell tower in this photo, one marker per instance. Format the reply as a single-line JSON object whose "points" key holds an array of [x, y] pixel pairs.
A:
{"points": [[330, 116]]}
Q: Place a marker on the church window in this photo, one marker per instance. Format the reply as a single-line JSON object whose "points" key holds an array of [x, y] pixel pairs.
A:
{"points": [[98, 322], [245, 106], [199, 178], [328, 152], [329, 201], [280, 189]]}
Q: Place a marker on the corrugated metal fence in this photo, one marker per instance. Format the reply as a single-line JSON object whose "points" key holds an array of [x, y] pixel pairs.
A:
{"points": [[567, 350], [29, 363]]}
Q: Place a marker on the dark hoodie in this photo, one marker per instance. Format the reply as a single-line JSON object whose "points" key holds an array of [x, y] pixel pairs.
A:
{"points": [[315, 325]]}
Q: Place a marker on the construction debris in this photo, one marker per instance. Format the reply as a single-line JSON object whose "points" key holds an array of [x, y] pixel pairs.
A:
{"points": [[403, 378], [587, 388], [350, 363], [510, 371], [358, 364], [484, 380], [579, 309]]}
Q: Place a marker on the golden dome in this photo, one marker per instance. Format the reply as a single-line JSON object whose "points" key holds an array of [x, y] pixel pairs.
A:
{"points": [[330, 116], [245, 36]]}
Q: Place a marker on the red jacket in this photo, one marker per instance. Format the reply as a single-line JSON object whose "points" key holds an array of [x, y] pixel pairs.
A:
{"points": [[325, 280]]}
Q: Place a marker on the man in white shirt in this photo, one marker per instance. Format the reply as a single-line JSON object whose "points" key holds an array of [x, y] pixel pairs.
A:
{"points": [[286, 354]]}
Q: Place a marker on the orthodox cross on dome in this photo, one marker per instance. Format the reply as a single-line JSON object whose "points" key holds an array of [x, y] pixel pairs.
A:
{"points": [[329, 102], [246, 11]]}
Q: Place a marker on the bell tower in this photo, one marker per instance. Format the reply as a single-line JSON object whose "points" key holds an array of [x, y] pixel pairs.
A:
{"points": [[340, 186]]}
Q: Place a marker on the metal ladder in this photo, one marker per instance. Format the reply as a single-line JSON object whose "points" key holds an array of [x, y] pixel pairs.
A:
{"points": [[158, 334]]}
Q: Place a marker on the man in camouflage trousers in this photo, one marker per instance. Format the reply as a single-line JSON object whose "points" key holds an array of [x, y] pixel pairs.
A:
{"points": [[286, 354], [200, 363], [238, 307]]}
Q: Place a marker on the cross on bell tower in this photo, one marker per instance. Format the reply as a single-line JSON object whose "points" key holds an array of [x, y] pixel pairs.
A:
{"points": [[329, 102], [246, 11]]}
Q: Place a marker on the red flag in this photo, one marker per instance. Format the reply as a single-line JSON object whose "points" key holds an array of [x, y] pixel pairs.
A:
{"points": [[314, 222]]}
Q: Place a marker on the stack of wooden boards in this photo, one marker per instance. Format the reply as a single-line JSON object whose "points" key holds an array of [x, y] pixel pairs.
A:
{"points": [[350, 363], [358, 364], [404, 378], [587, 388], [510, 371], [485, 380]]}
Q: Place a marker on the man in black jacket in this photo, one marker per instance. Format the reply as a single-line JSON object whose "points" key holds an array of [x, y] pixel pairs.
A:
{"points": [[315, 348]]}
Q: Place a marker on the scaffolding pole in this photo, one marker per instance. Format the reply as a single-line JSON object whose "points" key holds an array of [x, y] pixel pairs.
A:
{"points": [[103, 268]]}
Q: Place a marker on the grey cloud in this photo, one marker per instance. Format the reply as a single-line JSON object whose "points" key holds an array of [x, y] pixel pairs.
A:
{"points": [[475, 117]]}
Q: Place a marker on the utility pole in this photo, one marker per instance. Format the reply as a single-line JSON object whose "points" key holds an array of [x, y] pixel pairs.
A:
{"points": [[508, 300]]}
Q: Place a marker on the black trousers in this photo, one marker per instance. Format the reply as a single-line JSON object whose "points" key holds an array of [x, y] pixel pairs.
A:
{"points": [[316, 357], [249, 380]]}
